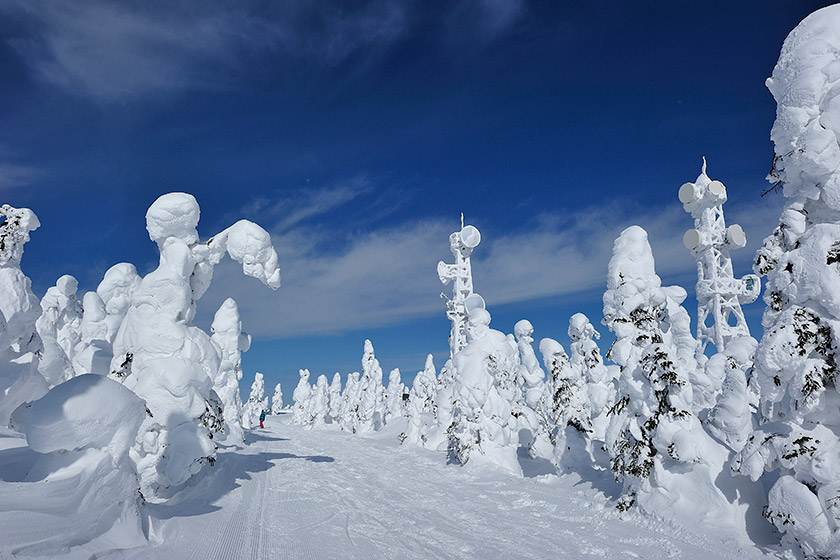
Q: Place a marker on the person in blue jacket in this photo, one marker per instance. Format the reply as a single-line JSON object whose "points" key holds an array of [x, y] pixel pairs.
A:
{"points": [[262, 419]]}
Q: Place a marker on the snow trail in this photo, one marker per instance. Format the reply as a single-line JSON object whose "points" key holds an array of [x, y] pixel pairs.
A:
{"points": [[324, 494]]}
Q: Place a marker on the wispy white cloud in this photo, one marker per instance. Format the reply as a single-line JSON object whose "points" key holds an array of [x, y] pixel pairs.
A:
{"points": [[116, 51], [14, 176], [389, 276]]}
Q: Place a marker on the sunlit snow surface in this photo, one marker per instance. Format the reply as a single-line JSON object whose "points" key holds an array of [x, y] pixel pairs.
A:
{"points": [[307, 494]]}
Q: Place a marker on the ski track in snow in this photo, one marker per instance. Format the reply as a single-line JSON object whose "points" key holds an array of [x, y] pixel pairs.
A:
{"points": [[325, 494]]}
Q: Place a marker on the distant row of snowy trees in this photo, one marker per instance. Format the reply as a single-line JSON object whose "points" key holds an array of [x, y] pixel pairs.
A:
{"points": [[669, 420]]}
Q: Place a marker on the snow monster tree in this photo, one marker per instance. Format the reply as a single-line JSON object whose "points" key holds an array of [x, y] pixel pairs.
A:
{"points": [[796, 360], [20, 344], [167, 361], [658, 448]]}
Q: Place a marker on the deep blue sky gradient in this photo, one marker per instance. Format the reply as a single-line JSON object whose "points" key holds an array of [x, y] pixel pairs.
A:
{"points": [[518, 114]]}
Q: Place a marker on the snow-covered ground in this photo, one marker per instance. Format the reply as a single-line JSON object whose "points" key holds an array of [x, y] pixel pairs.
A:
{"points": [[299, 493]]}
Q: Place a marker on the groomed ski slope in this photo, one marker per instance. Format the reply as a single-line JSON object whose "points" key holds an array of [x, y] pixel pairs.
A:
{"points": [[312, 494]]}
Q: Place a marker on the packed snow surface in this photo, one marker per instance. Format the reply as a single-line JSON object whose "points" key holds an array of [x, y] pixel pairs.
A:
{"points": [[327, 494]]}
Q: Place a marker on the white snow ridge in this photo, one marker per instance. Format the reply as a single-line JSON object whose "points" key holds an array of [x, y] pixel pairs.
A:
{"points": [[123, 434]]}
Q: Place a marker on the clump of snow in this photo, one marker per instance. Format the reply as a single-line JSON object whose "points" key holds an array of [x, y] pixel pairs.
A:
{"points": [[84, 462]]}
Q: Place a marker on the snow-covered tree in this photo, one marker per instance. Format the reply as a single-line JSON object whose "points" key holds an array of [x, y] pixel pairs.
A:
{"points": [[530, 381], [228, 335], [349, 415], [302, 399], [277, 400], [421, 404], [795, 369], [103, 314], [335, 398], [659, 450], [563, 409], [585, 356], [394, 396], [59, 327], [20, 344], [436, 436], [731, 418], [483, 426], [319, 403], [256, 403], [167, 361], [371, 392]]}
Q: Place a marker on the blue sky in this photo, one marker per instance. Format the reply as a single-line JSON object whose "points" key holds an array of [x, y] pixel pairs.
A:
{"points": [[357, 132]]}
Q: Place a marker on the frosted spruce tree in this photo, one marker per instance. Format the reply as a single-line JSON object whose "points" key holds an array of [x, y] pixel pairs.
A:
{"points": [[658, 449], [228, 335], [59, 327], [563, 409], [585, 357], [277, 400], [302, 397], [167, 361], [394, 396], [256, 403], [20, 344], [796, 361], [421, 405], [483, 428]]}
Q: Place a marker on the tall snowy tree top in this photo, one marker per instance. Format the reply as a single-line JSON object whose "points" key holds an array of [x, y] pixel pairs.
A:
{"points": [[227, 328], [370, 365], [524, 330], [14, 233], [553, 354], [581, 329], [173, 215], [116, 287], [632, 281], [806, 86]]}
